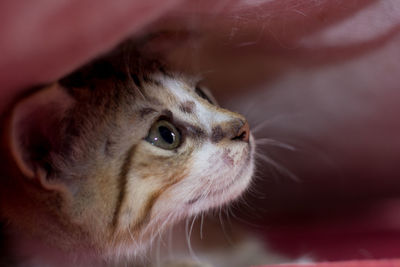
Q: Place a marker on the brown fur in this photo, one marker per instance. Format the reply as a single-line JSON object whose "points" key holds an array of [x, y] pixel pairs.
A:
{"points": [[99, 187]]}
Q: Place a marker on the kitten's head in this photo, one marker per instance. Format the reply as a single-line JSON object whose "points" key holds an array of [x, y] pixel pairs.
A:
{"points": [[113, 154]]}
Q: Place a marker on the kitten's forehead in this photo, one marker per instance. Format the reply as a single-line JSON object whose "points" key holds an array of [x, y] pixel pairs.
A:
{"points": [[179, 96]]}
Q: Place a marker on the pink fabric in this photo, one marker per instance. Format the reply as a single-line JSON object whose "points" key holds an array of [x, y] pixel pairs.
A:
{"points": [[43, 40], [372, 233], [342, 56], [372, 263]]}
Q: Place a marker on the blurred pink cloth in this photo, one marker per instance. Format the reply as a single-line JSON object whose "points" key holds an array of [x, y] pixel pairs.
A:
{"points": [[372, 263], [346, 45], [43, 40]]}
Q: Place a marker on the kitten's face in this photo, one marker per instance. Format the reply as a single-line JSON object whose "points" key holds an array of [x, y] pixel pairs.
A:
{"points": [[144, 157], [209, 164], [189, 156]]}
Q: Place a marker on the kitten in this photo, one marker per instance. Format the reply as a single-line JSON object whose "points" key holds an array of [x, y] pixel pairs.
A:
{"points": [[100, 163]]}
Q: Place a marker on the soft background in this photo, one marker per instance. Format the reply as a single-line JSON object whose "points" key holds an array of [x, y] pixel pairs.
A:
{"points": [[320, 75]]}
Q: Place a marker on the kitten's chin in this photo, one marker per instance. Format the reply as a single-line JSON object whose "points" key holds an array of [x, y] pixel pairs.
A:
{"points": [[230, 191], [234, 190]]}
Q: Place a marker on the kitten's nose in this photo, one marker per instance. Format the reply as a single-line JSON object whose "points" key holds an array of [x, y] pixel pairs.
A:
{"points": [[234, 130], [243, 133]]}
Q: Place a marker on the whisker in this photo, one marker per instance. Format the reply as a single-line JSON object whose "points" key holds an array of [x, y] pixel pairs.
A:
{"points": [[260, 126], [191, 227], [170, 241], [130, 234], [278, 167], [188, 231], [223, 227], [228, 218], [160, 234], [273, 142], [245, 110], [201, 226], [131, 84], [257, 193], [158, 252], [272, 171], [251, 210], [206, 192], [241, 220]]}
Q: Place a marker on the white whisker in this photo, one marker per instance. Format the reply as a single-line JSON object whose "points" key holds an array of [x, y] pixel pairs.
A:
{"points": [[170, 242], [201, 225], [130, 234], [158, 252], [131, 81], [188, 231], [228, 218], [260, 126], [223, 227], [273, 142], [237, 218], [277, 166], [191, 227]]}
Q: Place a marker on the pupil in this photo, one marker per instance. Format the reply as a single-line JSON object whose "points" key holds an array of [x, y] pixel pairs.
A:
{"points": [[166, 134]]}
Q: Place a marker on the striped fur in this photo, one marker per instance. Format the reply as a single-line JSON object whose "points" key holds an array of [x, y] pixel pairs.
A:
{"points": [[105, 192]]}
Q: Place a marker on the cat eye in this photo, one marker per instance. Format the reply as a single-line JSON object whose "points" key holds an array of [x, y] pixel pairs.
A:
{"points": [[164, 134]]}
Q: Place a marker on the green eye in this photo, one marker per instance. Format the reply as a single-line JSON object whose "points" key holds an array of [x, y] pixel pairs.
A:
{"points": [[164, 134]]}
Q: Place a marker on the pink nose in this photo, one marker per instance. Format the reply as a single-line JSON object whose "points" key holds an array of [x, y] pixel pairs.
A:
{"points": [[244, 133]]}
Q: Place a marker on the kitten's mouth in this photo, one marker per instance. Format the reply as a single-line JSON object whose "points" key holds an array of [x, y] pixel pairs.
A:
{"points": [[241, 174]]}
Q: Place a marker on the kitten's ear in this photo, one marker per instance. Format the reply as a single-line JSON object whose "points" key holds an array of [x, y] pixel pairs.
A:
{"points": [[34, 129]]}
